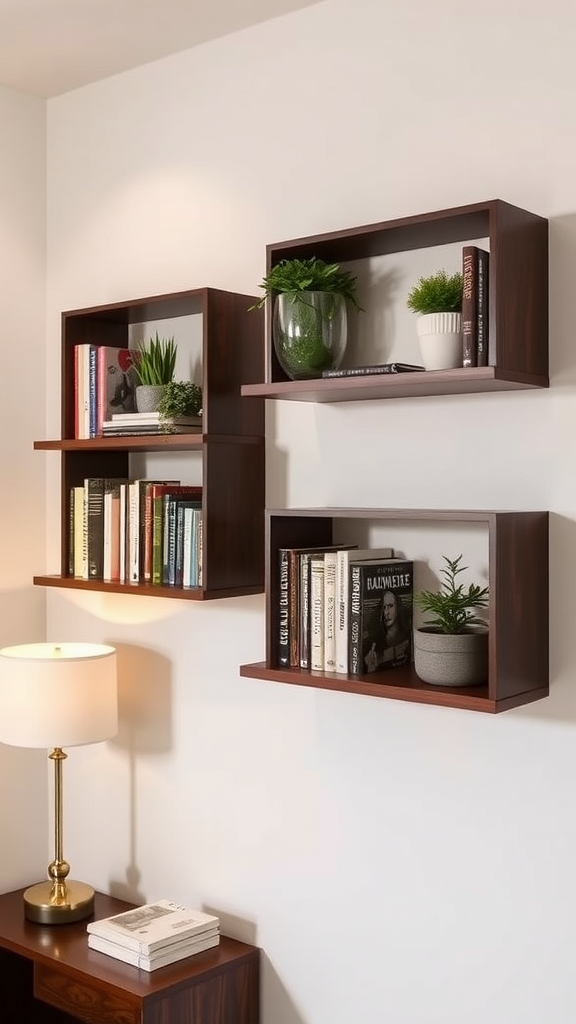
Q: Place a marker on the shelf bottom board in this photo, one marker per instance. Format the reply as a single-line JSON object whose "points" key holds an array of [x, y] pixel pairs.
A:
{"points": [[145, 589], [407, 687]]}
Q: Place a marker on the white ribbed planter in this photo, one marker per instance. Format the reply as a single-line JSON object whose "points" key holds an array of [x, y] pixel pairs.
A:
{"points": [[440, 339], [451, 659]]}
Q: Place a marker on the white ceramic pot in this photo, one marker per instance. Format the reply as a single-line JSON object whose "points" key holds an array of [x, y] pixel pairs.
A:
{"points": [[148, 397], [440, 340], [457, 659]]}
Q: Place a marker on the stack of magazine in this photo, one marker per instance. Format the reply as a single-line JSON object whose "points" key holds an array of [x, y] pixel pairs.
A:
{"points": [[154, 935], [123, 423]]}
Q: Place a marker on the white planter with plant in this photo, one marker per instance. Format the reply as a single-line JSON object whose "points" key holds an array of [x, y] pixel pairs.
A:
{"points": [[451, 647], [437, 300], [309, 316], [154, 368]]}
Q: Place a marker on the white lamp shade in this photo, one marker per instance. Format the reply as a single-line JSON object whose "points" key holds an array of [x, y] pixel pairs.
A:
{"points": [[57, 695]]}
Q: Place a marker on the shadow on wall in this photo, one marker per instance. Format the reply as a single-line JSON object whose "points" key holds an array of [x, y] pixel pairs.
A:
{"points": [[144, 727], [562, 235]]}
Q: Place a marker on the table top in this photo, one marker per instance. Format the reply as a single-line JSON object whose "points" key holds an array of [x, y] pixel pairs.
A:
{"points": [[66, 946]]}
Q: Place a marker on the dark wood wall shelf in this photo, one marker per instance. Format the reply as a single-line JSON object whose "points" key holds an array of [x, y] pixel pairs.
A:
{"points": [[518, 579], [518, 303], [230, 446], [51, 976]]}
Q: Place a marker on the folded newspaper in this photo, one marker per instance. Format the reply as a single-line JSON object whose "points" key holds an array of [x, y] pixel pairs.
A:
{"points": [[154, 926]]}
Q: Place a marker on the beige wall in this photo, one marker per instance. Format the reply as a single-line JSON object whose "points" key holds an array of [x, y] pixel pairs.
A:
{"points": [[23, 774], [397, 863]]}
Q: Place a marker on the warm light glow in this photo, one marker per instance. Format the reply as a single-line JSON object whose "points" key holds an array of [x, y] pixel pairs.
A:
{"points": [[57, 695]]}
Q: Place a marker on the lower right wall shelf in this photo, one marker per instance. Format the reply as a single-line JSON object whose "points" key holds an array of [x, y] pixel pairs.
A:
{"points": [[518, 607]]}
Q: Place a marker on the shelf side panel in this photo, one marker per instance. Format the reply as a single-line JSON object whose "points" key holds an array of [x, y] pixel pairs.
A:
{"points": [[233, 511], [233, 344], [519, 641]]}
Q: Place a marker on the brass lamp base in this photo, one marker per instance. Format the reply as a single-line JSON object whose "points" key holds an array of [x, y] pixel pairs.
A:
{"points": [[50, 903]]}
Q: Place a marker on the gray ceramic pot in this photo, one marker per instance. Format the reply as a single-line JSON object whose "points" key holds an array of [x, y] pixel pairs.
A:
{"points": [[444, 659], [148, 397]]}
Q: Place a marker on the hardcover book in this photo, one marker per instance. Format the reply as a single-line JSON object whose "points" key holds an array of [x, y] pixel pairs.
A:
{"points": [[343, 598], [364, 371], [469, 305], [94, 498], [169, 955], [482, 312], [154, 926], [115, 383], [381, 596]]}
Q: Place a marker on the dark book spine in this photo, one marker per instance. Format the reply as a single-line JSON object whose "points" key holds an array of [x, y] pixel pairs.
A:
{"points": [[169, 540], [71, 533], [157, 534], [95, 526], [482, 314], [304, 611], [354, 641], [469, 305], [283, 624], [293, 608]]}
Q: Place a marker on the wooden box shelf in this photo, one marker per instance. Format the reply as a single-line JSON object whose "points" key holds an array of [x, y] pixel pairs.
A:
{"points": [[518, 615], [518, 303], [230, 447]]}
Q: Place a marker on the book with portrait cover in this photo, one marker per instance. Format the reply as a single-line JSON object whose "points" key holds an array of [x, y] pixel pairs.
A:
{"points": [[381, 597], [116, 383], [154, 926]]}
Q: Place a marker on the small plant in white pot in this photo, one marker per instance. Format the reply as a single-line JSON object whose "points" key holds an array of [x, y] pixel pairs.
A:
{"points": [[451, 647], [437, 300]]}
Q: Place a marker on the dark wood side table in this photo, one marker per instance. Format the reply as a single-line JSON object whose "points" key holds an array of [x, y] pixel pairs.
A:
{"points": [[48, 975]]}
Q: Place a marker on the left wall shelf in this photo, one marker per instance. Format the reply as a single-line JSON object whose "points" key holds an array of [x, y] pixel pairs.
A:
{"points": [[231, 444]]}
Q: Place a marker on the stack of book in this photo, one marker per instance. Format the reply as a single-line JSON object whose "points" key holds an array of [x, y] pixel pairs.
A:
{"points": [[150, 423], [154, 935]]}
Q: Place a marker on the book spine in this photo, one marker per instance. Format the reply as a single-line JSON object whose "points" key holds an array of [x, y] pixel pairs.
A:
{"points": [[199, 547], [101, 386], [317, 613], [92, 390], [133, 568], [293, 608], [80, 569], [157, 537], [354, 638], [469, 305], [187, 547], [77, 399], [283, 622], [304, 611], [342, 612], [122, 532], [95, 526], [330, 568], [482, 314], [71, 502], [107, 544]]}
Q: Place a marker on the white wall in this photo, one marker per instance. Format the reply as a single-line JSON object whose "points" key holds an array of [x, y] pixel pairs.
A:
{"points": [[23, 774], [396, 863]]}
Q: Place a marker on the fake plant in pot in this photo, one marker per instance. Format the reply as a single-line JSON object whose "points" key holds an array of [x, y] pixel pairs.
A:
{"points": [[180, 404], [154, 367], [437, 300], [309, 316], [451, 648]]}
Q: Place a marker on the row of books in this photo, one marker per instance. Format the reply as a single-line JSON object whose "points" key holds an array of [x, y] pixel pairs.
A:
{"points": [[104, 383], [344, 609], [154, 935], [136, 531], [475, 305]]}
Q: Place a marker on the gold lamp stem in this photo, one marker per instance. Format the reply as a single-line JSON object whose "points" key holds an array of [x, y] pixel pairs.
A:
{"points": [[58, 901]]}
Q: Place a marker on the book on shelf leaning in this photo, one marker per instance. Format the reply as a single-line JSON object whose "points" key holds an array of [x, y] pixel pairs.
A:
{"points": [[381, 598], [154, 926]]}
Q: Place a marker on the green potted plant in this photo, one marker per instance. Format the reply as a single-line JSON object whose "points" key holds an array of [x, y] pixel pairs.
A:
{"points": [[309, 317], [451, 646], [437, 300], [154, 367], [181, 400]]}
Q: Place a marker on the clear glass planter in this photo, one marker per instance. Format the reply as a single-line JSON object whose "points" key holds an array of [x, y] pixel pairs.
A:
{"points": [[309, 331]]}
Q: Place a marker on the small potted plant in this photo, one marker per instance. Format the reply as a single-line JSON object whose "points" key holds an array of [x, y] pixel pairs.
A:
{"points": [[309, 325], [437, 300], [451, 647], [154, 367], [181, 401]]}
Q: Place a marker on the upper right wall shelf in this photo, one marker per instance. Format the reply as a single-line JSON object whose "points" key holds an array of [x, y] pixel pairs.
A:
{"points": [[518, 303]]}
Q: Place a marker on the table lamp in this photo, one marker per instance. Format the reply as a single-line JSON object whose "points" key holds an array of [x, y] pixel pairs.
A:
{"points": [[55, 696]]}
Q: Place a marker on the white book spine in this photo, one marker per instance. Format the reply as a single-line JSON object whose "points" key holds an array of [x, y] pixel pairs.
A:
{"points": [[343, 598], [330, 565], [317, 613]]}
